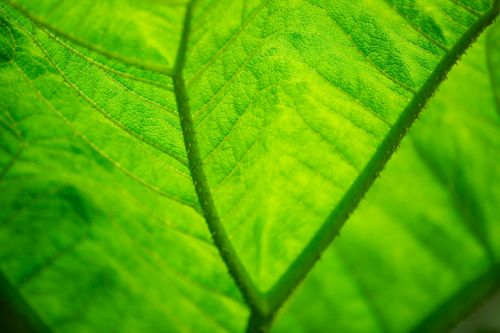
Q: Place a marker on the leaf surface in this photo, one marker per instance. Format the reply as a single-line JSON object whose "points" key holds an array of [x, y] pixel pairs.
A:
{"points": [[128, 126], [422, 249], [296, 105]]}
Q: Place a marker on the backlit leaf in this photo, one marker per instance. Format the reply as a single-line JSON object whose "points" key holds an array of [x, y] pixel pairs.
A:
{"points": [[128, 127]]}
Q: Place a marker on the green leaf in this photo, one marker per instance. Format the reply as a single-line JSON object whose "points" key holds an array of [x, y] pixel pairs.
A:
{"points": [[297, 105], [101, 227], [423, 248], [129, 127]]}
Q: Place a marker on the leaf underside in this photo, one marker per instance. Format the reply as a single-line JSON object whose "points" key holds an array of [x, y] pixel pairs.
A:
{"points": [[127, 127]]}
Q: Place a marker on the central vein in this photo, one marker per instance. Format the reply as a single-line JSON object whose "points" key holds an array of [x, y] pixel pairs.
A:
{"points": [[255, 300]]}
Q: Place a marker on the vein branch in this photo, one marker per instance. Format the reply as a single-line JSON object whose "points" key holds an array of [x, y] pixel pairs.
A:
{"points": [[110, 55]]}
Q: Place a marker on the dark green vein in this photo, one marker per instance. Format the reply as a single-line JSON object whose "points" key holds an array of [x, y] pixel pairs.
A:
{"points": [[221, 240], [297, 271]]}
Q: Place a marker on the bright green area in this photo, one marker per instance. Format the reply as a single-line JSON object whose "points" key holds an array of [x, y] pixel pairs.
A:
{"points": [[427, 233], [291, 100], [280, 113]]}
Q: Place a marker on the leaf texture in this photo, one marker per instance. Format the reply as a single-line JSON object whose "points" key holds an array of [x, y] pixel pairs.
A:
{"points": [[425, 242], [293, 103], [100, 222], [128, 127]]}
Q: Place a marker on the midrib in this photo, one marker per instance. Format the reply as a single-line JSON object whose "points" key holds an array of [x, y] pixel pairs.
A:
{"points": [[255, 300]]}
